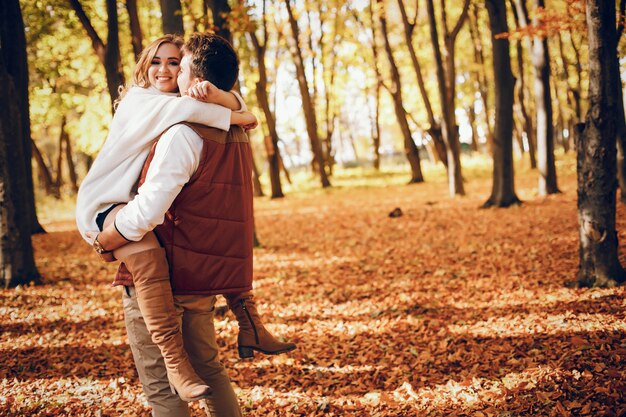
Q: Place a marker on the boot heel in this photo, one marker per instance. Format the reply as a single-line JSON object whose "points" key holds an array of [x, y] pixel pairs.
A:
{"points": [[245, 352]]}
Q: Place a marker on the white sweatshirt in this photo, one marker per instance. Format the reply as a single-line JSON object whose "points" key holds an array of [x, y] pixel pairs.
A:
{"points": [[142, 115]]}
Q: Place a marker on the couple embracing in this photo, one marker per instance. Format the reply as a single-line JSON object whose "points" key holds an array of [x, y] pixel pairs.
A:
{"points": [[170, 196]]}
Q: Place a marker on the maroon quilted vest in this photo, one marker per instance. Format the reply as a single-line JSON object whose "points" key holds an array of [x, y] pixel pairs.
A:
{"points": [[208, 231]]}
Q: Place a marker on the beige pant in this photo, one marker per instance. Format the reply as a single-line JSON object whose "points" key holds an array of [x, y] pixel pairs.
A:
{"points": [[199, 338]]}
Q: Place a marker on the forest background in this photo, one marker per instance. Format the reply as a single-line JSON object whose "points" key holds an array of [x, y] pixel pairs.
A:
{"points": [[356, 99]]}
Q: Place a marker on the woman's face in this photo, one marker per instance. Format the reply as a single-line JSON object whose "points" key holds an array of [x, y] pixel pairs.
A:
{"points": [[164, 68]]}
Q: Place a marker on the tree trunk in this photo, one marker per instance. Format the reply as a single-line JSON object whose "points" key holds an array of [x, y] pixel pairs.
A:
{"points": [[518, 7], [273, 159], [172, 17], [598, 257], [307, 103], [112, 61], [560, 124], [446, 81], [71, 167], [481, 76], [518, 132], [409, 28], [621, 130], [220, 9], [471, 115], [135, 27], [109, 54], [410, 149], [271, 141], [13, 50], [273, 152], [16, 217], [543, 107], [45, 177], [59, 168], [88, 162], [328, 72], [375, 119], [579, 69], [256, 179], [503, 191], [573, 98], [621, 149], [375, 124]]}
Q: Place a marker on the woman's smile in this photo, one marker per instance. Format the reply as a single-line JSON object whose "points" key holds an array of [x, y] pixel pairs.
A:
{"points": [[164, 68]]}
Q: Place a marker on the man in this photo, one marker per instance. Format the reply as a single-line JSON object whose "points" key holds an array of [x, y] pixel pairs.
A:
{"points": [[205, 207]]}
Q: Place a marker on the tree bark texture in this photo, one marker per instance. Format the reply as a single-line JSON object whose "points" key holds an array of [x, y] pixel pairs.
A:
{"points": [[172, 17], [480, 73], [375, 118], [543, 108], [435, 129], [410, 149], [273, 152], [257, 188], [45, 177], [307, 102], [446, 80], [13, 51], [59, 166], [596, 161], [71, 167], [471, 116], [329, 72], [220, 9], [503, 191], [621, 151], [621, 137], [375, 123], [135, 28], [17, 264], [519, 8]]}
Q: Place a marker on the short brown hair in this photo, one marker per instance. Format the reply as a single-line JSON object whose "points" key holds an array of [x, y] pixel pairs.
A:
{"points": [[212, 58]]}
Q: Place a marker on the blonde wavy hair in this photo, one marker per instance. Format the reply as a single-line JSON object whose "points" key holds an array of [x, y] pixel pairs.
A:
{"points": [[140, 73]]}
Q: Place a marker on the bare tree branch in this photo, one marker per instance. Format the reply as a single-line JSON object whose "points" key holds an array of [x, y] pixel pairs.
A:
{"points": [[461, 21], [97, 43]]}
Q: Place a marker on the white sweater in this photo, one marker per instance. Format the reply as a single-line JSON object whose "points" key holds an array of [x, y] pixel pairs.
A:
{"points": [[142, 115]]}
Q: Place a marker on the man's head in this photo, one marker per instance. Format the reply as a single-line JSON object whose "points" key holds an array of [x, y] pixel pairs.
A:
{"points": [[208, 57]]}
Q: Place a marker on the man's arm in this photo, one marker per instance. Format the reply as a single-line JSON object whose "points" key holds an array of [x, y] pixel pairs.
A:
{"points": [[176, 158]]}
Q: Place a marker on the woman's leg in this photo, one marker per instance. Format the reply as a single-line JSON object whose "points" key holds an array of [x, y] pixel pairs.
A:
{"points": [[148, 242], [147, 263], [252, 333]]}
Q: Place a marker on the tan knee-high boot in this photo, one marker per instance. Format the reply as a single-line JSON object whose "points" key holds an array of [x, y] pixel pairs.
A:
{"points": [[156, 302], [252, 334]]}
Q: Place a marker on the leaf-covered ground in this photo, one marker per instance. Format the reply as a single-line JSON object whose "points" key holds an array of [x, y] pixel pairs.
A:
{"points": [[447, 310]]}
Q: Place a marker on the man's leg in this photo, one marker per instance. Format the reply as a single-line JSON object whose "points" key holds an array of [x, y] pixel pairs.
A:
{"points": [[200, 344], [149, 362], [147, 262]]}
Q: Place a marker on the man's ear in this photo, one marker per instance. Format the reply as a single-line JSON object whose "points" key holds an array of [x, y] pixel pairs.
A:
{"points": [[196, 80]]}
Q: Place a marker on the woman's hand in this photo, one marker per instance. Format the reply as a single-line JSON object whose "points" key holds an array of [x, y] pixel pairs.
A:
{"points": [[205, 91], [107, 256]]}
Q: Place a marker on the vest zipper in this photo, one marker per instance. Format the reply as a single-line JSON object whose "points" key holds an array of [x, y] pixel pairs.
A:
{"points": [[256, 335]]}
